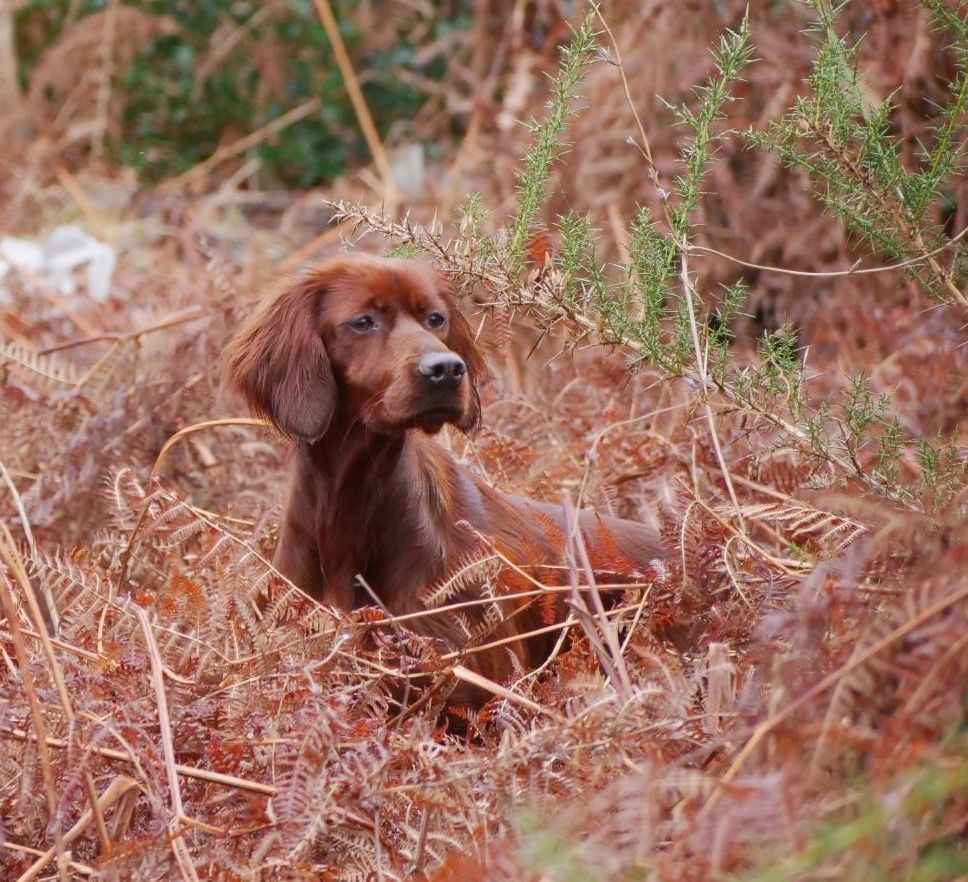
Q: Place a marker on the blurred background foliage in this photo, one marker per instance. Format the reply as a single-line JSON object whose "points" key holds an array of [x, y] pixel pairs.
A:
{"points": [[211, 71]]}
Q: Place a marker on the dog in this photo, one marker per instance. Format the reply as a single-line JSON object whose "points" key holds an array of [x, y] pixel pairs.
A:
{"points": [[361, 363]]}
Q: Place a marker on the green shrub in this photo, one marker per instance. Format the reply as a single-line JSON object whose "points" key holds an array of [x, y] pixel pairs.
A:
{"points": [[651, 306], [180, 104]]}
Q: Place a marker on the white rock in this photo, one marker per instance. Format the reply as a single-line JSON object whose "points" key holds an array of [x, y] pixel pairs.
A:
{"points": [[69, 247]]}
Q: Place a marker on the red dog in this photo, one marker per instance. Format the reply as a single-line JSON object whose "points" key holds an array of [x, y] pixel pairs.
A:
{"points": [[361, 362]]}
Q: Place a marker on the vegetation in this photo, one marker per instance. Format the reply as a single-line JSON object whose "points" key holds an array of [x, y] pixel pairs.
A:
{"points": [[650, 304], [738, 313], [203, 70]]}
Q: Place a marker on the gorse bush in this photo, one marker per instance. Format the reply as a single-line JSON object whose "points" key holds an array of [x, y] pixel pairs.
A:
{"points": [[851, 153], [650, 307], [220, 69]]}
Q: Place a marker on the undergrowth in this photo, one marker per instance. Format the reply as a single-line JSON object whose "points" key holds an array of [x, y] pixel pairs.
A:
{"points": [[788, 701], [650, 304]]}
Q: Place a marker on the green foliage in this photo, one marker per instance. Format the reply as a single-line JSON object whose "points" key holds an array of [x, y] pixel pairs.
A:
{"points": [[943, 470], [780, 362], [183, 99], [650, 305], [550, 852], [472, 215], [862, 409], [720, 335], [849, 150], [731, 56], [653, 261], [848, 147], [586, 283], [475, 244], [864, 845], [549, 141]]}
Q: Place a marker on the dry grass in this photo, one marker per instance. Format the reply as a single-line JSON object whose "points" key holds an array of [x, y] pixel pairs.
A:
{"points": [[788, 697]]}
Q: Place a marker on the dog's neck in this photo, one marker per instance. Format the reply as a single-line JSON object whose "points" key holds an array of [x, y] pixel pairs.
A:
{"points": [[384, 499]]}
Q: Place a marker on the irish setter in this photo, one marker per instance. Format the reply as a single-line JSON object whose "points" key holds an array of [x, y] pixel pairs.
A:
{"points": [[361, 363]]}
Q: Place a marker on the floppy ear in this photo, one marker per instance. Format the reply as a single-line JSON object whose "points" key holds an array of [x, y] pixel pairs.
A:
{"points": [[460, 339], [279, 364]]}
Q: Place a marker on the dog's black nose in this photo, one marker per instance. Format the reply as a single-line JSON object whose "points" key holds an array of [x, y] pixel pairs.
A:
{"points": [[442, 369]]}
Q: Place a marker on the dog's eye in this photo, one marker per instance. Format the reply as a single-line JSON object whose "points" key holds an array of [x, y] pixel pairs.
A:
{"points": [[362, 323], [435, 320]]}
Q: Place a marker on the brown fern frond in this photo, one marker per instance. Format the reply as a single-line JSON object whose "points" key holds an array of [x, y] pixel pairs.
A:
{"points": [[475, 571], [46, 371], [806, 526]]}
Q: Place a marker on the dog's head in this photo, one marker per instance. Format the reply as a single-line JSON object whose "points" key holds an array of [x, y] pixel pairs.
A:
{"points": [[373, 340]]}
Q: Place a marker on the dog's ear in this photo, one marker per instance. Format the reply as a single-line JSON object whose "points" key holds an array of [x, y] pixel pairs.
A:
{"points": [[279, 364], [460, 339]]}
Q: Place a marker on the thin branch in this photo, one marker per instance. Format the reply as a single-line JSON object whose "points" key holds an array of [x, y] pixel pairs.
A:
{"points": [[247, 142], [179, 848], [185, 771], [702, 367], [390, 191], [118, 787], [475, 679], [9, 605], [832, 274]]}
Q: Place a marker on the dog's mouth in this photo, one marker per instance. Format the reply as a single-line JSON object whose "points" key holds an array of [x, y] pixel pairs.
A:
{"points": [[433, 419], [428, 413]]}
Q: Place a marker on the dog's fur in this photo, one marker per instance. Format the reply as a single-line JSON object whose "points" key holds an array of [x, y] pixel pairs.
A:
{"points": [[372, 494]]}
